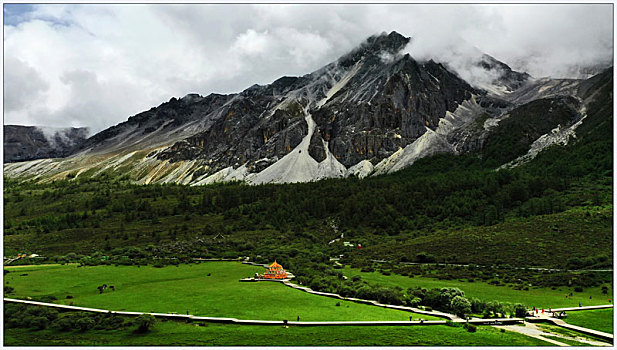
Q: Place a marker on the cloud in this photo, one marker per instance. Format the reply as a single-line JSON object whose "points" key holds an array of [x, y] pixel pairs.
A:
{"points": [[24, 84], [95, 65]]}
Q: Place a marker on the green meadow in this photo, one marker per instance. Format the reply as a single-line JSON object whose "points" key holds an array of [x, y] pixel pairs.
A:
{"points": [[173, 333], [535, 296], [601, 320], [206, 289]]}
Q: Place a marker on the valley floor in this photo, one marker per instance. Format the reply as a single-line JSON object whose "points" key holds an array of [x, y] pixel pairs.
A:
{"points": [[213, 289], [172, 333]]}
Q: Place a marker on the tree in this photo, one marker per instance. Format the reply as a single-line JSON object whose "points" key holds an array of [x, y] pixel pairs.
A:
{"points": [[63, 324], [446, 295], [39, 322], [144, 322], [84, 323], [460, 306], [520, 310]]}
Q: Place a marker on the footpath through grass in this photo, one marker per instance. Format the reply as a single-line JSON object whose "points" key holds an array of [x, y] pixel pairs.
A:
{"points": [[206, 289], [538, 297], [173, 333], [600, 320]]}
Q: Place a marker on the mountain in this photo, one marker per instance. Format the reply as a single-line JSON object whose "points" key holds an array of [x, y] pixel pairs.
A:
{"points": [[373, 111], [33, 142]]}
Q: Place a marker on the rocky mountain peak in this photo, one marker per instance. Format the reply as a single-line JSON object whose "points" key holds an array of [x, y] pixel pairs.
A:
{"points": [[376, 46], [372, 111]]}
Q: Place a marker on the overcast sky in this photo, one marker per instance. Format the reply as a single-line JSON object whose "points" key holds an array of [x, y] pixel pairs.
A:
{"points": [[96, 65]]}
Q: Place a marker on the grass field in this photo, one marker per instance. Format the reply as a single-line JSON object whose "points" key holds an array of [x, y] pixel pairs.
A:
{"points": [[178, 334], [176, 289], [601, 320], [539, 297], [551, 328]]}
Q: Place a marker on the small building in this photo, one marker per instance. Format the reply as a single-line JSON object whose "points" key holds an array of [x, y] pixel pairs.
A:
{"points": [[275, 271]]}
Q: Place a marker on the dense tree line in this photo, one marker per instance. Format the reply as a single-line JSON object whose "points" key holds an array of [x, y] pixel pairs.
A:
{"points": [[39, 317]]}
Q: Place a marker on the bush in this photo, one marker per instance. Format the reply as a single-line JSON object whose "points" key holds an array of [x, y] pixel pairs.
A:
{"points": [[450, 323], [460, 306], [520, 310], [477, 305], [112, 322], [39, 322], [470, 327], [415, 302], [424, 257], [578, 289], [63, 324], [84, 323], [144, 322]]}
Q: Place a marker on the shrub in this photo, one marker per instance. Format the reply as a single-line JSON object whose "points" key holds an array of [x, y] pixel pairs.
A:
{"points": [[415, 302], [450, 323], [470, 327], [63, 324], [477, 305], [39, 322], [144, 322], [578, 289], [520, 310], [338, 303], [84, 323], [424, 257], [460, 306]]}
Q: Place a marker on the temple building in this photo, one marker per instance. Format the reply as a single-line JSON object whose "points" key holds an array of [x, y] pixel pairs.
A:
{"points": [[275, 271]]}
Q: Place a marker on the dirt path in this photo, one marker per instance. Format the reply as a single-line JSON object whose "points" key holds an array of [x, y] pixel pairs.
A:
{"points": [[22, 266], [532, 330]]}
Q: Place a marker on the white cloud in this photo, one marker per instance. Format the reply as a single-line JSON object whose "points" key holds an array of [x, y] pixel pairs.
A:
{"points": [[95, 65]]}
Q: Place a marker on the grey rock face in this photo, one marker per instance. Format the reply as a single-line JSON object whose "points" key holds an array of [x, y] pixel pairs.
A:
{"points": [[384, 107], [373, 104], [31, 142], [387, 100]]}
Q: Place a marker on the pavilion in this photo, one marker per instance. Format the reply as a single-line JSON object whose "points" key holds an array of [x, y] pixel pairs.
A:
{"points": [[275, 271]]}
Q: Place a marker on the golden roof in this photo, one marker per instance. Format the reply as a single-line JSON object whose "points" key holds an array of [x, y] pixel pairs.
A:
{"points": [[275, 264]]}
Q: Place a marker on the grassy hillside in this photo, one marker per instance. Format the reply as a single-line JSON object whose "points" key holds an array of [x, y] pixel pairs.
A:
{"points": [[206, 289], [540, 297]]}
